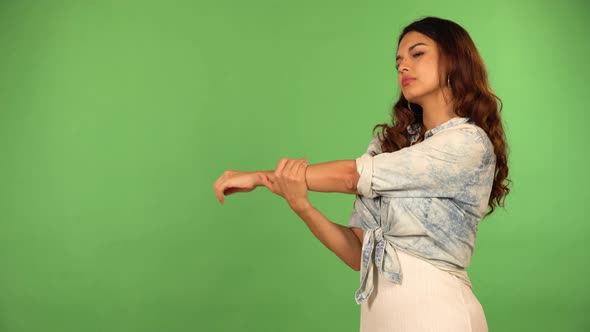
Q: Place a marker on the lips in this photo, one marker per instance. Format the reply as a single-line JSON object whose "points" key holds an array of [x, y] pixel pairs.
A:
{"points": [[407, 80]]}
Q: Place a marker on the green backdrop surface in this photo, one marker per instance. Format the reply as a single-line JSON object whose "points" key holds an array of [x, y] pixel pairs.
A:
{"points": [[117, 117]]}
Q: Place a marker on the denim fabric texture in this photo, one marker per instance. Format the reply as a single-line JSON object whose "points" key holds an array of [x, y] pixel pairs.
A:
{"points": [[426, 199]]}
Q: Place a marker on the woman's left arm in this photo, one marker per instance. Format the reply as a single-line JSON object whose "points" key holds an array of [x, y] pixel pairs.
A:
{"points": [[340, 176]]}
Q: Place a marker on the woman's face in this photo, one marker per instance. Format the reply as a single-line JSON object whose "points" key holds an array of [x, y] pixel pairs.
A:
{"points": [[417, 67]]}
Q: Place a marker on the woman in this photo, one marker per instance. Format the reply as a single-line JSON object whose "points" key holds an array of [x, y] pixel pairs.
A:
{"points": [[422, 187]]}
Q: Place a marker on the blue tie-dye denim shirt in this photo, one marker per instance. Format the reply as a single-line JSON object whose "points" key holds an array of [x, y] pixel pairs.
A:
{"points": [[426, 199]]}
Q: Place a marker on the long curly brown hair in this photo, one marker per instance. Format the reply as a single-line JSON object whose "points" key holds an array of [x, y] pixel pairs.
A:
{"points": [[472, 97]]}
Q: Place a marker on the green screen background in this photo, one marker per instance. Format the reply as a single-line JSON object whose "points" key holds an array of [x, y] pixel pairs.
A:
{"points": [[116, 118]]}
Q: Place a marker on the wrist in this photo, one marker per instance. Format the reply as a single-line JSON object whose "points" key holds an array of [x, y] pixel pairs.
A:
{"points": [[257, 180], [301, 206]]}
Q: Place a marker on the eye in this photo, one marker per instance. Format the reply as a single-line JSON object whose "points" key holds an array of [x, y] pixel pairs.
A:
{"points": [[415, 55]]}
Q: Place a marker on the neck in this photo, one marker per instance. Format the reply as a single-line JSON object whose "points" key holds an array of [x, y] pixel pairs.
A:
{"points": [[436, 112]]}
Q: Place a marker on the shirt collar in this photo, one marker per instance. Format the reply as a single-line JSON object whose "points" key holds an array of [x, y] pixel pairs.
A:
{"points": [[448, 124]]}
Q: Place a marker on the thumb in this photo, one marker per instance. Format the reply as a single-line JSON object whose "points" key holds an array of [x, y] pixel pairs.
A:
{"points": [[264, 180]]}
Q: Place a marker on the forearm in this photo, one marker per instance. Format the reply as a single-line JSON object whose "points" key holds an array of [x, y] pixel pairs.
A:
{"points": [[339, 239], [333, 176]]}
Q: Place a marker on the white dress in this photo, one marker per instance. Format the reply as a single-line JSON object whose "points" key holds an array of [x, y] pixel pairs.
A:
{"points": [[427, 300]]}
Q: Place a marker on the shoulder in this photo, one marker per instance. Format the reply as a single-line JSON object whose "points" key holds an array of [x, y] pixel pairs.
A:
{"points": [[374, 147], [465, 133], [467, 138], [461, 141]]}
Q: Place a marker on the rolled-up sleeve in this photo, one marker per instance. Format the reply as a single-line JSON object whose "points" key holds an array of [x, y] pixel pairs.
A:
{"points": [[443, 165], [364, 167]]}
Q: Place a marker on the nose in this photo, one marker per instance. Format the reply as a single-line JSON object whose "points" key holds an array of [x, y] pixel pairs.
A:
{"points": [[402, 67]]}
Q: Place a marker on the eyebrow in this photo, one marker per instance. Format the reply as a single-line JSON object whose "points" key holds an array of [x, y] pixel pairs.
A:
{"points": [[397, 58]]}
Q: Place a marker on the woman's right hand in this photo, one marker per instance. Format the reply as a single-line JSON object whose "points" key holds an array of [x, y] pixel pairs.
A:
{"points": [[234, 181]]}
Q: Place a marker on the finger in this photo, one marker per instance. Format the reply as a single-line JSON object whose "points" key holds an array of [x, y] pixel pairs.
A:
{"points": [[290, 167], [266, 181], [219, 186], [218, 191], [306, 164], [295, 166], [301, 168], [216, 185], [220, 194], [262, 178], [281, 165], [271, 177]]}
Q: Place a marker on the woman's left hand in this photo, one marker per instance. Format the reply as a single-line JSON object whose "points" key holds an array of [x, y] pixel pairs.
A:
{"points": [[288, 181]]}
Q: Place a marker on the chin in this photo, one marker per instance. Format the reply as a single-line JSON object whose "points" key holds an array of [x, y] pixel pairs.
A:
{"points": [[410, 95], [413, 98]]}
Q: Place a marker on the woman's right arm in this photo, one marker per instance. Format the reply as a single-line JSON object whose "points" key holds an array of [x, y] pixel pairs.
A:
{"points": [[290, 184], [343, 241]]}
